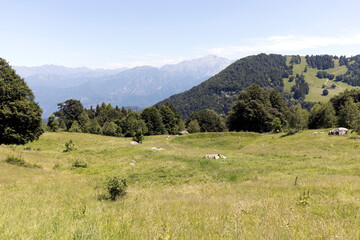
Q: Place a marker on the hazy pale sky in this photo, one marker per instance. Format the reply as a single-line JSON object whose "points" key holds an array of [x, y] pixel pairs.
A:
{"points": [[110, 33]]}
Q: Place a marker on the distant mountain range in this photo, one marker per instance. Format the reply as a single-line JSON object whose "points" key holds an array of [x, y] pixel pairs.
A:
{"points": [[140, 86]]}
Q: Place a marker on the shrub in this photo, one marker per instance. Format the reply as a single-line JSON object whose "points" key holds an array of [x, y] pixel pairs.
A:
{"points": [[276, 125], [69, 146], [79, 164], [116, 188], [304, 198], [56, 166], [138, 136], [19, 161], [325, 92]]}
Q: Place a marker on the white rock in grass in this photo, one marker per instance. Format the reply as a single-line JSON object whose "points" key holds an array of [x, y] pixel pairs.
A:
{"points": [[216, 156], [157, 149], [134, 143]]}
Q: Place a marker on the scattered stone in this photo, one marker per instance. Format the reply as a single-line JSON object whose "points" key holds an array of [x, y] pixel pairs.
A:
{"points": [[215, 156], [339, 131], [157, 149], [134, 143], [184, 132]]}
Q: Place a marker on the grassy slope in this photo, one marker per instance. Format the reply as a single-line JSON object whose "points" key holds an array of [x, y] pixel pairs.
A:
{"points": [[177, 193], [315, 84]]}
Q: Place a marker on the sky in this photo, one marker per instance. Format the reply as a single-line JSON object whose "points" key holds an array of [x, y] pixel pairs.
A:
{"points": [[116, 33]]}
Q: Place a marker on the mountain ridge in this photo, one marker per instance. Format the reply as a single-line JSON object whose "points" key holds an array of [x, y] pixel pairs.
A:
{"points": [[141, 86]]}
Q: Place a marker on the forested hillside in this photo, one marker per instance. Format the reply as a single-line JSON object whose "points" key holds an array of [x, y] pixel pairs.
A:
{"points": [[304, 80], [219, 92]]}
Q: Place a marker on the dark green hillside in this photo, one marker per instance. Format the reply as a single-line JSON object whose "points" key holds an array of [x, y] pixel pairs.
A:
{"points": [[219, 92], [300, 79]]}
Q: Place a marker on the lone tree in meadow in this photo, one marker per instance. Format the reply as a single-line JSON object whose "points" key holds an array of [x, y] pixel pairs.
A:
{"points": [[20, 115]]}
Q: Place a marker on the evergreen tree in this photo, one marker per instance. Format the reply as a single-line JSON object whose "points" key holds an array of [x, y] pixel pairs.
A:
{"points": [[208, 120], [20, 115], [153, 121], [84, 122], [109, 129], [131, 123], [62, 125], [94, 127], [349, 114], [322, 116], [69, 111], [193, 126], [138, 136], [256, 109], [276, 125], [53, 123], [298, 118], [169, 119], [75, 127]]}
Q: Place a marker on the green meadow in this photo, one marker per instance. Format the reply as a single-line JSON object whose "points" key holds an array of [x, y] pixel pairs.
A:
{"points": [[315, 84], [270, 186]]}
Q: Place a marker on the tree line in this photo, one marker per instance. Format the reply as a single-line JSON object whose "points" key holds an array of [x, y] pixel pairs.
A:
{"points": [[256, 110], [114, 121], [321, 62], [264, 111]]}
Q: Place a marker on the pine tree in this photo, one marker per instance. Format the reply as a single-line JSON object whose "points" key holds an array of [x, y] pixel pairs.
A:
{"points": [[75, 127], [153, 120], [84, 122], [94, 127]]}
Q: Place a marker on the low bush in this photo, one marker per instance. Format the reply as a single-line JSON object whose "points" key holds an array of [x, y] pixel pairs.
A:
{"points": [[138, 136], [79, 164], [115, 188], [69, 146], [19, 161]]}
